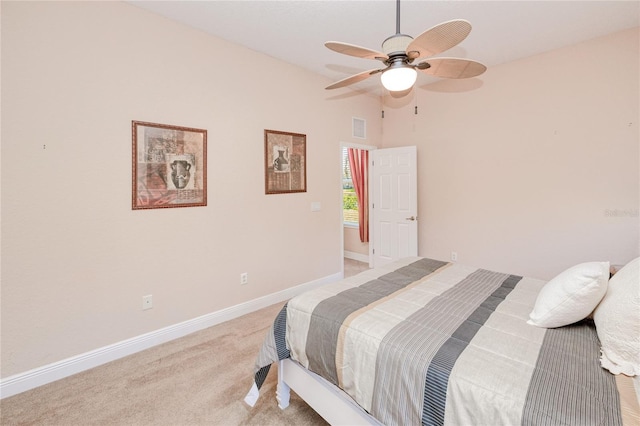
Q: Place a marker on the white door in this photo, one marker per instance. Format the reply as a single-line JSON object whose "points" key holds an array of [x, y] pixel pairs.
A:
{"points": [[394, 207]]}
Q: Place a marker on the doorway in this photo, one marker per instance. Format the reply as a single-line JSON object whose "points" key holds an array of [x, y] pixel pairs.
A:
{"points": [[393, 226], [355, 252]]}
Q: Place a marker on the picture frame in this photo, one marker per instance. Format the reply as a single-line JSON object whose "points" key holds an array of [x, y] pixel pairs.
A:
{"points": [[285, 162], [169, 166]]}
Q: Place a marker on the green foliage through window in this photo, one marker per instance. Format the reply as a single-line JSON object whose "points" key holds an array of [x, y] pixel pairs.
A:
{"points": [[350, 206]]}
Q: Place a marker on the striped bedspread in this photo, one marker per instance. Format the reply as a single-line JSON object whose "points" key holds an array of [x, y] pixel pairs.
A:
{"points": [[426, 342]]}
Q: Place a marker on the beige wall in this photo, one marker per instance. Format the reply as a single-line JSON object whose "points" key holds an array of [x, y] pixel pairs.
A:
{"points": [[352, 241], [76, 260], [532, 167]]}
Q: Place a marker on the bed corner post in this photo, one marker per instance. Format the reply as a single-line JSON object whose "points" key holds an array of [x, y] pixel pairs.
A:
{"points": [[283, 392]]}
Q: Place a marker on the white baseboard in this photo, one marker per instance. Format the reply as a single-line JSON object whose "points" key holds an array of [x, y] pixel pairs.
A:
{"points": [[356, 256], [67, 367]]}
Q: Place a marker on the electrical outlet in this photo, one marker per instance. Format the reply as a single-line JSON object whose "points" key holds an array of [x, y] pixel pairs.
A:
{"points": [[454, 256], [244, 278], [147, 302]]}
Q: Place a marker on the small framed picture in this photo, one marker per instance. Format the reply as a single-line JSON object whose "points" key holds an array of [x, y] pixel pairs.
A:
{"points": [[285, 162], [169, 166]]}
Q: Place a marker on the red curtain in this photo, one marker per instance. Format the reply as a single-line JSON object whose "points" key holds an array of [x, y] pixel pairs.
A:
{"points": [[358, 161]]}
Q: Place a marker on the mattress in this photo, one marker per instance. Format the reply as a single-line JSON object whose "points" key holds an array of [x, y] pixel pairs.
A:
{"points": [[421, 341]]}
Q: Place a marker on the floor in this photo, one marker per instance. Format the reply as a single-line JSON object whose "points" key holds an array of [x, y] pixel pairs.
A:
{"points": [[353, 267]]}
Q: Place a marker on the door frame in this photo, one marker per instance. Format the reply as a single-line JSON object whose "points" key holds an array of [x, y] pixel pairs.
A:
{"points": [[368, 148]]}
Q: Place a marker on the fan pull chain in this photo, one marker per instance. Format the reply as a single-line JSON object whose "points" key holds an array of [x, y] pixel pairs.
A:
{"points": [[416, 110], [382, 113]]}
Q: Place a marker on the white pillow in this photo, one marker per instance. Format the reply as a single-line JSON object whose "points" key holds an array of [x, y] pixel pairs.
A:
{"points": [[570, 296], [617, 321]]}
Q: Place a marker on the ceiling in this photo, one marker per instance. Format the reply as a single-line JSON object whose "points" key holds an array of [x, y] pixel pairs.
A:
{"points": [[295, 31]]}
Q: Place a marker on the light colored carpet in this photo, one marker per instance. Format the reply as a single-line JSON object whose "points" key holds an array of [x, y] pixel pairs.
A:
{"points": [[352, 267], [199, 379]]}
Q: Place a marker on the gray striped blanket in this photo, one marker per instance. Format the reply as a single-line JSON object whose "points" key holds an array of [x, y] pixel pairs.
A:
{"points": [[427, 342]]}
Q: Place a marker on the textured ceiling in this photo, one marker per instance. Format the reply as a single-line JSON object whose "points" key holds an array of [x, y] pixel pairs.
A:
{"points": [[295, 31]]}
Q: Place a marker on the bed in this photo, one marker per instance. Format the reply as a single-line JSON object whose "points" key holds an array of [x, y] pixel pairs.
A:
{"points": [[421, 341]]}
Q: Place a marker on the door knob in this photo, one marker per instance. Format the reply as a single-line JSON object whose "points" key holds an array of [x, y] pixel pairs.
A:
{"points": [[411, 218]]}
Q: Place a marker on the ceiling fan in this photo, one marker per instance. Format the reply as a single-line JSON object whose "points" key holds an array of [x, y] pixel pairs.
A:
{"points": [[400, 51]]}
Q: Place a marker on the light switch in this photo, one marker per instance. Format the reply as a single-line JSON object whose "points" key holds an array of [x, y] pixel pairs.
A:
{"points": [[315, 206]]}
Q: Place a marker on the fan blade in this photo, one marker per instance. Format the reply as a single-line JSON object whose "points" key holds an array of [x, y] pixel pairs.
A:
{"points": [[451, 67], [439, 38], [357, 51], [353, 79]]}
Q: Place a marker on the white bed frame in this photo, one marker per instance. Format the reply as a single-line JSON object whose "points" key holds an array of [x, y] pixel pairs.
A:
{"points": [[332, 403]]}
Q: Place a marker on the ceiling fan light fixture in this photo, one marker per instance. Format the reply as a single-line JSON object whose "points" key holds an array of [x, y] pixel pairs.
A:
{"points": [[399, 78], [400, 50]]}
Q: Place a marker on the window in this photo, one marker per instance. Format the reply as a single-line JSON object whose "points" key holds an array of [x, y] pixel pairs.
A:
{"points": [[349, 198]]}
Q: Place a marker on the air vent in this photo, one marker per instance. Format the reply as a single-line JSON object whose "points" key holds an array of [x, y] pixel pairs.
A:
{"points": [[359, 128]]}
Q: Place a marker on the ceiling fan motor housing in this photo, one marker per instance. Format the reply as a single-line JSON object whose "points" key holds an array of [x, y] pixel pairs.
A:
{"points": [[396, 44]]}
